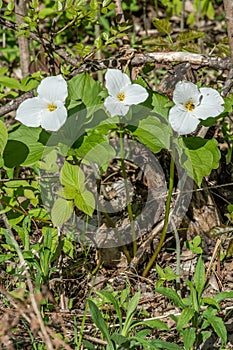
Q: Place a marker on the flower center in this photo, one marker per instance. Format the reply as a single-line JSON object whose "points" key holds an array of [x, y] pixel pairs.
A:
{"points": [[51, 107], [121, 96], [189, 106]]}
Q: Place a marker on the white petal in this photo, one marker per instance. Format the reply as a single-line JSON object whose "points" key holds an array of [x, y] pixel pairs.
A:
{"points": [[116, 81], [135, 94], [182, 121], [53, 89], [29, 112], [53, 121], [186, 91], [115, 107], [211, 104]]}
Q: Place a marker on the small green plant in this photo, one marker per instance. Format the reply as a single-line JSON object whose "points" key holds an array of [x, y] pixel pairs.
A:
{"points": [[198, 318], [165, 275], [194, 245], [128, 332]]}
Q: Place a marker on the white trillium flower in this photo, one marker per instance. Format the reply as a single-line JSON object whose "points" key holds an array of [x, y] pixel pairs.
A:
{"points": [[47, 109], [122, 93], [193, 104]]}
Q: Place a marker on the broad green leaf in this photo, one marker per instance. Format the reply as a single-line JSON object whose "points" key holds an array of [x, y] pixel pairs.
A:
{"points": [[210, 11], [106, 3], [210, 301], [160, 271], [184, 318], [200, 157], [145, 343], [163, 25], [153, 134], [217, 324], [61, 211], [68, 247], [199, 276], [49, 162], [68, 192], [197, 241], [15, 153], [84, 87], [100, 323], [120, 340], [26, 134], [222, 296], [10, 82], [88, 345], [29, 136], [46, 12], [35, 153], [172, 295], [96, 148], [205, 334], [3, 136], [6, 257], [161, 105], [156, 344], [189, 336], [72, 176], [85, 201], [11, 5], [152, 324]]}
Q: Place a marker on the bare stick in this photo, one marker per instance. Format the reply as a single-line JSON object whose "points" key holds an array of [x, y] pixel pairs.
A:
{"points": [[137, 60], [121, 19], [228, 6], [20, 12], [13, 104], [43, 41]]}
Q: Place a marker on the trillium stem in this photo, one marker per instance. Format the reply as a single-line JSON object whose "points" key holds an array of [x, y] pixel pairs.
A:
{"points": [[167, 212], [129, 207]]}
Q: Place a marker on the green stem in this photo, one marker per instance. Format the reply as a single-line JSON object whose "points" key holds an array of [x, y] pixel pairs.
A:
{"points": [[166, 218], [129, 207], [177, 238]]}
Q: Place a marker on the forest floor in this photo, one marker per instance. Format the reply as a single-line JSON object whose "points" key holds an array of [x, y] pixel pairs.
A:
{"points": [[207, 217]]}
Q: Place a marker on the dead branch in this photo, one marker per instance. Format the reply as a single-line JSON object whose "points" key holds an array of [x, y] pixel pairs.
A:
{"points": [[14, 104], [228, 6], [44, 42], [142, 58], [138, 59], [24, 55]]}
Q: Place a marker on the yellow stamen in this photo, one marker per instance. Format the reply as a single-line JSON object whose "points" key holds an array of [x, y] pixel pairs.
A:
{"points": [[121, 96], [189, 106], [51, 107]]}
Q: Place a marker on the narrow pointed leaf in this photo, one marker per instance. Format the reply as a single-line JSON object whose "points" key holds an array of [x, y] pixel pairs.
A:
{"points": [[100, 323], [199, 276], [184, 318], [172, 295]]}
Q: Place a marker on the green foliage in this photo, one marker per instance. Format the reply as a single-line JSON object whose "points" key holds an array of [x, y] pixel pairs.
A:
{"points": [[153, 134], [194, 245], [131, 333], [165, 275], [199, 157], [198, 313]]}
